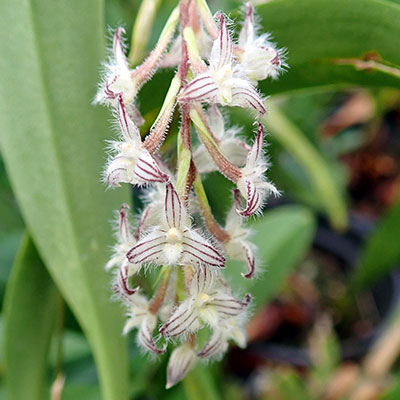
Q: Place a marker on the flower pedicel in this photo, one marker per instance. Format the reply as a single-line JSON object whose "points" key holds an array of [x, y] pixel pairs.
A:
{"points": [[192, 295]]}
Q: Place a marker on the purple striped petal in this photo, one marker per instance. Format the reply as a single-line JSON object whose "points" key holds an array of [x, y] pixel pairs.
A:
{"points": [[227, 306], [202, 281], [201, 89], [174, 211], [216, 345], [247, 33], [221, 52], [147, 170], [150, 249], [145, 336], [256, 151], [250, 260], [253, 198], [183, 320], [123, 287], [129, 130], [245, 95], [117, 171], [196, 249]]}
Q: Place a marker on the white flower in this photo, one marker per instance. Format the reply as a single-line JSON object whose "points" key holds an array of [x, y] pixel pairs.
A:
{"points": [[238, 248], [182, 360], [174, 241], [229, 329], [252, 184], [118, 81], [132, 162], [223, 82], [209, 302], [140, 316], [230, 146], [258, 57]]}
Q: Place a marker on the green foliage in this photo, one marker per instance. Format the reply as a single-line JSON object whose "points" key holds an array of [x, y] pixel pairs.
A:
{"points": [[29, 316], [382, 251], [52, 143], [326, 38], [282, 237]]}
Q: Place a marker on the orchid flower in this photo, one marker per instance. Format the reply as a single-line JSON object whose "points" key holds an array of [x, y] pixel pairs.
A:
{"points": [[140, 316], [118, 81], [222, 82], [238, 247], [125, 241], [132, 163], [252, 184], [258, 57], [209, 302], [174, 241], [234, 149]]}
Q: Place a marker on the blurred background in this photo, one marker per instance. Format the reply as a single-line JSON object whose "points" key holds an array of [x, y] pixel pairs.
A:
{"points": [[326, 314]]}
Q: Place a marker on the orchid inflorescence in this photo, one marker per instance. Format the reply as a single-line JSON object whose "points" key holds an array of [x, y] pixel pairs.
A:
{"points": [[192, 294]]}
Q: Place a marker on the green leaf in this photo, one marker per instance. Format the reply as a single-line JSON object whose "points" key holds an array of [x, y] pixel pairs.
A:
{"points": [[52, 143], [199, 385], [29, 317], [325, 40], [329, 193], [282, 237], [382, 252]]}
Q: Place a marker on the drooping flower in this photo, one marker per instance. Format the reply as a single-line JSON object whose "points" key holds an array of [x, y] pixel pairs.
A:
{"points": [[118, 82], [229, 329], [253, 184], [174, 241], [238, 247], [258, 58], [132, 163], [209, 302], [125, 240], [181, 361], [234, 149], [140, 316], [223, 82]]}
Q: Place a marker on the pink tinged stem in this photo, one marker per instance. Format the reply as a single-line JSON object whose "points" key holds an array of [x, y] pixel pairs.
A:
{"points": [[228, 169], [158, 298], [212, 225]]}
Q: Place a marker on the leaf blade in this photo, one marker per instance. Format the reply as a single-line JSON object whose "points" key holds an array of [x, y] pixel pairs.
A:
{"points": [[30, 302]]}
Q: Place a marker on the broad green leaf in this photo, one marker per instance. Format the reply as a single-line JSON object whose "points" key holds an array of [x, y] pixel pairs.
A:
{"points": [[29, 317], [199, 385], [325, 186], [326, 39], [282, 237], [52, 144], [382, 251]]}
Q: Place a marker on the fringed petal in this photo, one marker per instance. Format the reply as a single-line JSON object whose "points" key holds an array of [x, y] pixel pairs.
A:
{"points": [[147, 170], [250, 260], [201, 89], [202, 281], [245, 95], [196, 249], [247, 32], [148, 250], [129, 130], [145, 335], [253, 197], [227, 306], [175, 213], [221, 52], [184, 320], [216, 345]]}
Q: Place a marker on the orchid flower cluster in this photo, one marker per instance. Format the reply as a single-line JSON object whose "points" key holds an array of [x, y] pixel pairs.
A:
{"points": [[213, 71]]}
